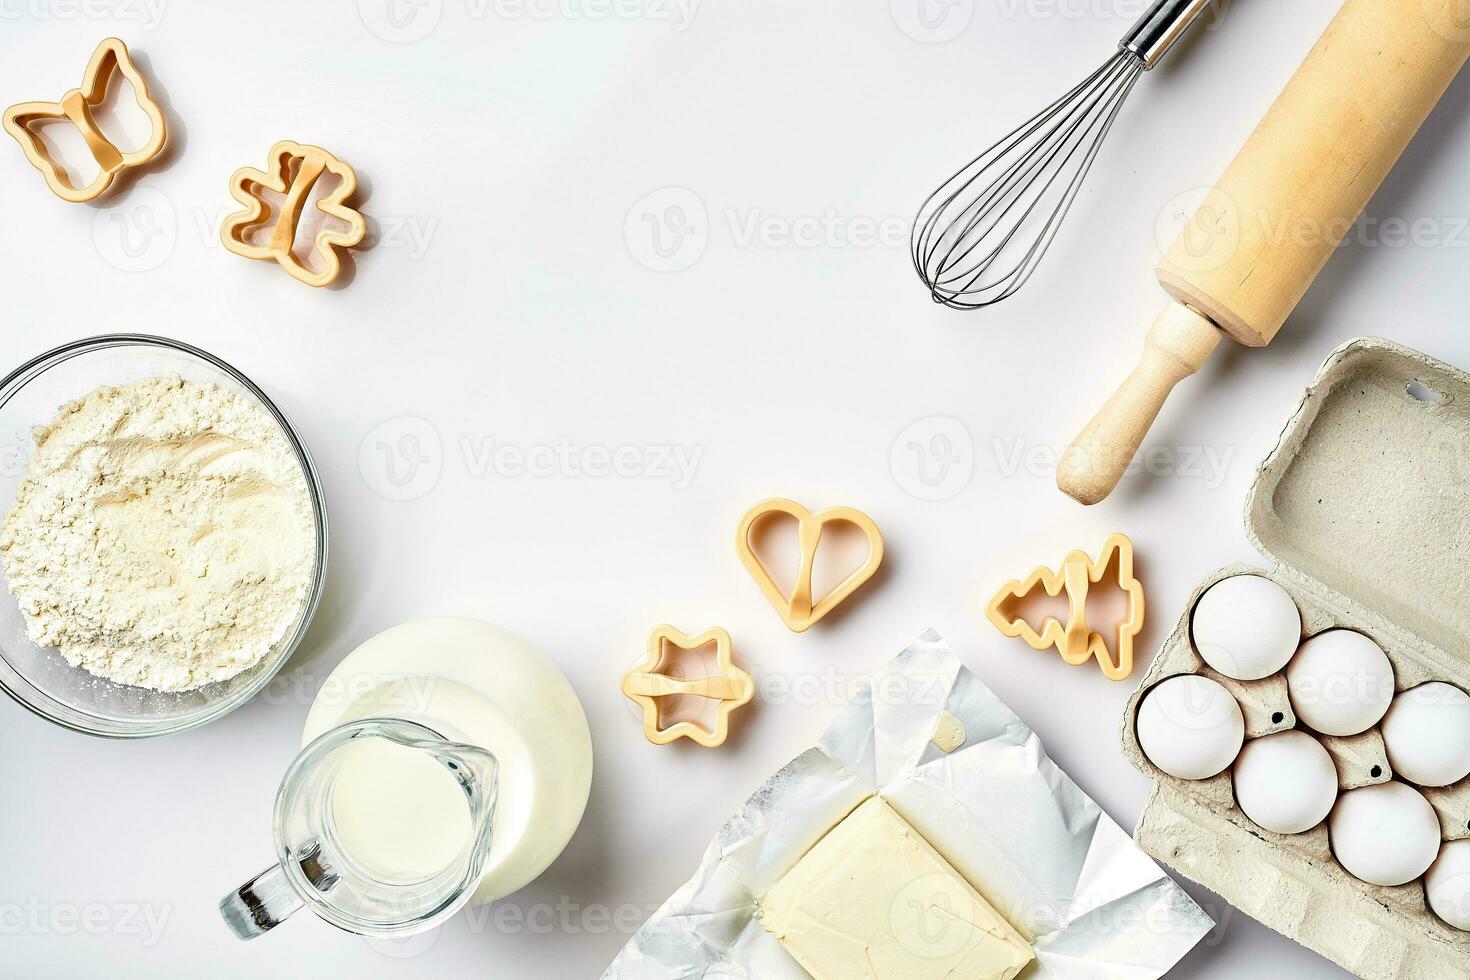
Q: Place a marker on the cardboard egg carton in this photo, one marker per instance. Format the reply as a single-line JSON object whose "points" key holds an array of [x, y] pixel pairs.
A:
{"points": [[1364, 508]]}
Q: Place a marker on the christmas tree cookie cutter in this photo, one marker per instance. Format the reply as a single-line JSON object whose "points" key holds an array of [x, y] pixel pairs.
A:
{"points": [[109, 60], [649, 681], [294, 169], [1076, 640], [800, 609]]}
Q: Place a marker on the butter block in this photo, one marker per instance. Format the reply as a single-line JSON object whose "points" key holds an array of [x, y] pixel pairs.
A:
{"points": [[873, 900]]}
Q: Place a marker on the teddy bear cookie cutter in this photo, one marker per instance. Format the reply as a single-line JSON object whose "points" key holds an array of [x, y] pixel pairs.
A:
{"points": [[800, 610], [649, 681], [293, 170], [1076, 640], [109, 60]]}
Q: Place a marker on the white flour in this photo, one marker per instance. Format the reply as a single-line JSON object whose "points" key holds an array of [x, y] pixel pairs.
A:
{"points": [[162, 536]]}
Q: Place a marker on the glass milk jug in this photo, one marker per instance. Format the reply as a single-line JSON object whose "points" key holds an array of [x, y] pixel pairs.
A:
{"points": [[382, 827]]}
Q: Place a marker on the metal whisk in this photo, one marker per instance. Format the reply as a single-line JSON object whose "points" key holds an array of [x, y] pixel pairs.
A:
{"points": [[980, 236]]}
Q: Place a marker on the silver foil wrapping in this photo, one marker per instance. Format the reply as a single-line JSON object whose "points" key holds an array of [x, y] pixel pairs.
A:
{"points": [[1042, 852]]}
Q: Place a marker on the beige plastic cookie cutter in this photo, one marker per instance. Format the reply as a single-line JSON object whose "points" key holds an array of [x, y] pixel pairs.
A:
{"points": [[77, 106], [1076, 640], [647, 682], [294, 170], [800, 609]]}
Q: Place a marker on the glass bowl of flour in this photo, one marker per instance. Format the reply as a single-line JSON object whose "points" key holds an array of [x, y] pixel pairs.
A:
{"points": [[163, 537]]}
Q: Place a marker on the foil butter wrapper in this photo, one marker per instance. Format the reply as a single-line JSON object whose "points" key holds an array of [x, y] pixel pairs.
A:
{"points": [[1036, 847]]}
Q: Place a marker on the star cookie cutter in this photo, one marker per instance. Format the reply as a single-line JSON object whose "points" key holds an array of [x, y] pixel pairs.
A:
{"points": [[646, 683], [800, 610], [294, 169], [1076, 641], [109, 60]]}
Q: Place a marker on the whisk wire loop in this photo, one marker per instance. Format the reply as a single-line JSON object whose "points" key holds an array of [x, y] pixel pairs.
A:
{"points": [[980, 236]]}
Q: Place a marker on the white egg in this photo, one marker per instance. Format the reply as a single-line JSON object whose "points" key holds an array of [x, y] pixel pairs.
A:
{"points": [[1285, 782], [1448, 884], [1190, 727], [1246, 627], [1386, 834], [1341, 683], [1427, 732]]}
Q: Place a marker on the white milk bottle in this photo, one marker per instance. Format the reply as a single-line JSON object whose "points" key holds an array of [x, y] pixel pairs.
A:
{"points": [[471, 683]]}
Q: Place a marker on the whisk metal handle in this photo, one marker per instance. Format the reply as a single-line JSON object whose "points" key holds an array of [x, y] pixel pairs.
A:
{"points": [[1158, 29]]}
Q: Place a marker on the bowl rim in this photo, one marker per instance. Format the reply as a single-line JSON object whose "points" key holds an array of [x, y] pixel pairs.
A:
{"points": [[32, 368]]}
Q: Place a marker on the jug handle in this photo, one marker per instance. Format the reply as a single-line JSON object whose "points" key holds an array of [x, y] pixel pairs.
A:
{"points": [[268, 899]]}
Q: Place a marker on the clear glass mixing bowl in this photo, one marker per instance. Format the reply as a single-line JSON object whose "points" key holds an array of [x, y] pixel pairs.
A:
{"points": [[41, 679]]}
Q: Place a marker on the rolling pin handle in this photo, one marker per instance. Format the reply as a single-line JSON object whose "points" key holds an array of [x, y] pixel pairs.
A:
{"points": [[1177, 345]]}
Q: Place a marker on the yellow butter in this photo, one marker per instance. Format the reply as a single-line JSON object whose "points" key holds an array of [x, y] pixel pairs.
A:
{"points": [[873, 900]]}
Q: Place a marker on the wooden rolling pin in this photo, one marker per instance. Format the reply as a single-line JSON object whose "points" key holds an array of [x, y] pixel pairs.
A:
{"points": [[1295, 190]]}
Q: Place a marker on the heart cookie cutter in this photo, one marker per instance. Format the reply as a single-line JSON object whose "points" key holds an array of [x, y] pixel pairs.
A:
{"points": [[1077, 641], [646, 683], [800, 609], [109, 60], [294, 169]]}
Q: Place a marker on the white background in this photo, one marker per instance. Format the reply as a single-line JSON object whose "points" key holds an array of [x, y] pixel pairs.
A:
{"points": [[516, 158]]}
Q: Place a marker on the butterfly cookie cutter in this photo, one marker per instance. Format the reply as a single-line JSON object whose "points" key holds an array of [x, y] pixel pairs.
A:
{"points": [[646, 683], [1076, 640], [109, 60], [294, 170], [800, 609]]}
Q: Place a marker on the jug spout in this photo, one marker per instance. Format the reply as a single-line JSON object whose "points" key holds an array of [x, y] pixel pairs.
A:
{"points": [[478, 775], [382, 827]]}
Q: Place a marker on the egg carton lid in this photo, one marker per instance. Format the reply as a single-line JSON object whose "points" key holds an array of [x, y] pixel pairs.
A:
{"points": [[1366, 498]]}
